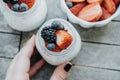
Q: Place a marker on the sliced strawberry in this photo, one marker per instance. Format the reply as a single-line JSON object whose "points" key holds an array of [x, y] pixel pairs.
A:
{"points": [[116, 2], [57, 49], [64, 39], [105, 14], [92, 1], [75, 0], [76, 9], [91, 12], [109, 6]]}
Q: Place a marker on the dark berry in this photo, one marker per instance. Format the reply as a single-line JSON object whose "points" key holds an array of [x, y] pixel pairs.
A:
{"points": [[69, 4], [61, 27], [55, 24], [14, 1], [6, 1], [15, 7], [51, 46], [23, 7], [48, 34]]}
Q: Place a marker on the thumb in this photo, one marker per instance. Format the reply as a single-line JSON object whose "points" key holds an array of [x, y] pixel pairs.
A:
{"points": [[61, 71]]}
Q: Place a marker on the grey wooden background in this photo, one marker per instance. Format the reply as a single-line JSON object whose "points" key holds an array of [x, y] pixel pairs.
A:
{"points": [[99, 58]]}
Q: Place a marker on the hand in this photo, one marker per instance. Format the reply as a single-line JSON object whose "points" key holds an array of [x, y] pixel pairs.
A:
{"points": [[20, 66]]}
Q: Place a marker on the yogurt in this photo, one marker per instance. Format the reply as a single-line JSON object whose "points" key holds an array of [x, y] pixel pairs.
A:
{"points": [[28, 20], [56, 58]]}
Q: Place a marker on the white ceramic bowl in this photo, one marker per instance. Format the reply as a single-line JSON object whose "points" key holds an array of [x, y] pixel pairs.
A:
{"points": [[84, 23], [28, 20], [56, 58]]}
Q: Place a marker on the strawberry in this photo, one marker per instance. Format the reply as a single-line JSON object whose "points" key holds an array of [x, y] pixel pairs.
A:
{"points": [[92, 1], [105, 14], [116, 2], [76, 9], [91, 12], [64, 39], [75, 0], [109, 5], [57, 49]]}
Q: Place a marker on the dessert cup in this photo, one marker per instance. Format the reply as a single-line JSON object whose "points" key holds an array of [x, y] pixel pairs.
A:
{"points": [[56, 58], [28, 20], [84, 23]]}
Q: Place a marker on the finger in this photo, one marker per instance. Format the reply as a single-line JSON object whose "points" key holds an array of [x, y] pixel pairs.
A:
{"points": [[28, 49], [61, 71], [36, 67], [20, 64], [25, 51]]}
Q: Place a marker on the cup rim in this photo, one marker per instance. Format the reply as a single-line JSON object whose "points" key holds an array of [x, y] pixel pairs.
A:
{"points": [[63, 52], [117, 12]]}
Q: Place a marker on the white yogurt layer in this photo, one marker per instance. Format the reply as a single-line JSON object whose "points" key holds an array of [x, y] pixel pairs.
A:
{"points": [[56, 58]]}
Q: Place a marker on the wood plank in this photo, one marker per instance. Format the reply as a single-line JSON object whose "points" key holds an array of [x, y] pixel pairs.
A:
{"points": [[99, 55], [87, 73], [4, 64], [4, 27], [117, 18], [26, 36], [54, 10], [44, 73], [9, 44], [108, 34]]}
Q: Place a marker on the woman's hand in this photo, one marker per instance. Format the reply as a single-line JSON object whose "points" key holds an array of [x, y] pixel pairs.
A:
{"points": [[20, 66]]}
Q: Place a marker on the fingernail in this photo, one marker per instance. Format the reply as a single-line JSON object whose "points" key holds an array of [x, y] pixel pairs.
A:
{"points": [[68, 67]]}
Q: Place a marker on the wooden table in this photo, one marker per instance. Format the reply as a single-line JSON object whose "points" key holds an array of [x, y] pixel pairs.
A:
{"points": [[99, 58]]}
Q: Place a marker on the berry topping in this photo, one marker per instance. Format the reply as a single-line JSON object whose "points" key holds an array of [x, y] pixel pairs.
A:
{"points": [[23, 7], [14, 1], [51, 46], [6, 1], [64, 39], [48, 34], [55, 36], [69, 4], [15, 7]]}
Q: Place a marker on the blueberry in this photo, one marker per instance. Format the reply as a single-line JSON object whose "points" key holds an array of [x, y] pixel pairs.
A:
{"points": [[61, 27], [15, 7], [6, 1], [55, 24], [51, 46], [23, 7], [69, 4], [14, 1]]}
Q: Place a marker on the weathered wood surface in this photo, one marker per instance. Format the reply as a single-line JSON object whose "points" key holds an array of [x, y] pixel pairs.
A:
{"points": [[98, 59]]}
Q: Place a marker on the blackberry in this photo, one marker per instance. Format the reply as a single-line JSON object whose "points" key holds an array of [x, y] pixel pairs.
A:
{"points": [[6, 1], [14, 1], [48, 34]]}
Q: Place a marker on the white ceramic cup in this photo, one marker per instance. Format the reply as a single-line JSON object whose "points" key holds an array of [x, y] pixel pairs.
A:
{"points": [[28, 20], [84, 23], [56, 58]]}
